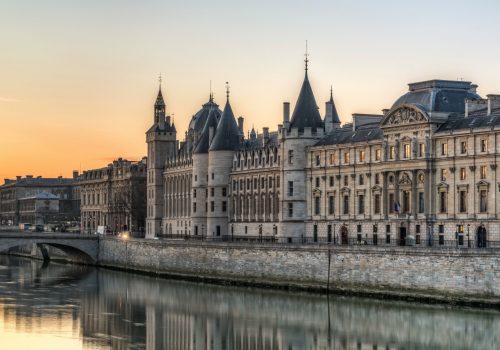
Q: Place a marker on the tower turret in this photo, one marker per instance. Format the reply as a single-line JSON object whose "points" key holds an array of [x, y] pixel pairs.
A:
{"points": [[332, 120]]}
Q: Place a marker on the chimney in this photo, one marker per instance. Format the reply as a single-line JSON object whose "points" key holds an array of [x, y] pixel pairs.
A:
{"points": [[75, 174], [493, 103], [29, 176], [240, 125], [18, 177], [211, 132], [265, 131], [167, 121], [286, 114], [280, 126], [385, 111], [472, 106], [59, 177], [473, 88]]}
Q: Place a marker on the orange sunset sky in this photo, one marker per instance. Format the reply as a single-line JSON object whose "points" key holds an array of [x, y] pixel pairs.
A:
{"points": [[78, 79]]}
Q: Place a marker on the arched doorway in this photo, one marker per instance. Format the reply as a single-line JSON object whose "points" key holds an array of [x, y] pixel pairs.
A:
{"points": [[402, 236], [344, 235], [481, 237]]}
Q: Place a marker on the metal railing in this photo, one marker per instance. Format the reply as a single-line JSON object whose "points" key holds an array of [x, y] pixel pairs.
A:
{"points": [[382, 241]]}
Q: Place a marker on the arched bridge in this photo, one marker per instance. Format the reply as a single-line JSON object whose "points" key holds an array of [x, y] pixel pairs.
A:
{"points": [[80, 248]]}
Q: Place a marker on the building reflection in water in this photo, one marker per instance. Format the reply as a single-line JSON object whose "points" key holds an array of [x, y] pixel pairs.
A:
{"points": [[105, 309]]}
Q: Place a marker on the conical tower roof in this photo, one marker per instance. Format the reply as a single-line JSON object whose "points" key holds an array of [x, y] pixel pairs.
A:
{"points": [[204, 141], [227, 136], [159, 99], [335, 115], [306, 113]]}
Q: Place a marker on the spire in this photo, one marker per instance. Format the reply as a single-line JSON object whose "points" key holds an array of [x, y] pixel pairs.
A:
{"points": [[307, 59], [159, 98], [211, 98], [331, 111], [331, 93], [159, 108], [306, 114], [204, 142], [227, 136]]}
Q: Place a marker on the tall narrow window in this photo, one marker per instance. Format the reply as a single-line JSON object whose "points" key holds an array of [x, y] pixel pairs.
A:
{"points": [[421, 150], [290, 210], [378, 153], [331, 181], [317, 182], [317, 205], [377, 179], [376, 203], [361, 156], [332, 158], [361, 179], [346, 157], [483, 201], [484, 145], [421, 202], [444, 149], [331, 205], [406, 201], [482, 172], [463, 147], [392, 152], [406, 150], [444, 174], [290, 157], [462, 201], [346, 204], [346, 180], [391, 203], [443, 199], [318, 160], [463, 174], [361, 204], [290, 188]]}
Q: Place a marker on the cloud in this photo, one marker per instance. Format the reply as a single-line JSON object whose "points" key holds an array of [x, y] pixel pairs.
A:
{"points": [[8, 99]]}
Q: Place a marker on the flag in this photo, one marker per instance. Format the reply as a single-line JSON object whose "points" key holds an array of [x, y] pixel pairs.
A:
{"points": [[397, 207]]}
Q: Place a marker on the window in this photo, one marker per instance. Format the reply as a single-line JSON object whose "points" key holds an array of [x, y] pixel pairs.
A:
{"points": [[421, 202], [441, 229], [317, 181], [387, 228], [392, 152], [331, 181], [212, 206], [346, 157], [378, 153], [463, 147], [361, 156], [346, 180], [224, 206], [255, 182], [483, 201], [417, 228], [406, 150], [421, 150], [376, 203], [346, 204], [377, 179], [444, 173], [290, 188], [484, 145], [444, 149], [331, 205], [406, 202], [463, 174], [262, 182], [462, 201], [290, 157], [361, 180], [332, 158], [318, 160], [224, 192], [317, 205], [212, 191], [361, 204], [391, 203], [194, 193], [482, 172], [442, 202], [290, 210], [213, 176], [196, 178], [359, 229], [278, 181], [194, 207]]}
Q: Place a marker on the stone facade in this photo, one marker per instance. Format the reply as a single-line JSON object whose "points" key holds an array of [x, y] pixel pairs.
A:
{"points": [[114, 197], [422, 172], [38, 200]]}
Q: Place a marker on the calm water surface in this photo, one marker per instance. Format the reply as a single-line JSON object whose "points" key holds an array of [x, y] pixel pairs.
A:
{"points": [[58, 306]]}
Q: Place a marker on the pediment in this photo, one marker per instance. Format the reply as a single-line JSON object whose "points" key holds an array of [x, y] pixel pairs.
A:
{"points": [[443, 186], [405, 115], [405, 180], [376, 188], [483, 184], [317, 192]]}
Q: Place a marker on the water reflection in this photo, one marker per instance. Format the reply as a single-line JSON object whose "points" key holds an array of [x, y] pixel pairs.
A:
{"points": [[73, 307]]}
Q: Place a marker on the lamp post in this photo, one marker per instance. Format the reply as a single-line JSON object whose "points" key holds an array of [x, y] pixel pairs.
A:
{"points": [[260, 233], [274, 232], [468, 236]]}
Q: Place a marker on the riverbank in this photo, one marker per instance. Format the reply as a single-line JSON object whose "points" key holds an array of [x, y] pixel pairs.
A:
{"points": [[453, 276]]}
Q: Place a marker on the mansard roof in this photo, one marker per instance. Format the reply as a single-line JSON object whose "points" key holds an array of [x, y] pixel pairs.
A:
{"points": [[204, 141], [439, 95], [469, 123], [227, 137], [347, 135], [258, 142], [306, 113]]}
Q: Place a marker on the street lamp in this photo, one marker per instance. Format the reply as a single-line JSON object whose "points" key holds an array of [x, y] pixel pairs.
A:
{"points": [[260, 233], [468, 236], [274, 232]]}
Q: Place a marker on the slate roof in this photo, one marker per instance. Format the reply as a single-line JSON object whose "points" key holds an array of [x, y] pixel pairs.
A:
{"points": [[335, 115], [439, 95], [344, 136], [159, 99], [203, 142], [257, 142], [461, 123], [199, 119], [227, 137], [35, 182], [42, 195], [306, 113]]}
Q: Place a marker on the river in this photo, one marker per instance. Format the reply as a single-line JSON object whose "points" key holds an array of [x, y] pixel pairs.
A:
{"points": [[58, 306]]}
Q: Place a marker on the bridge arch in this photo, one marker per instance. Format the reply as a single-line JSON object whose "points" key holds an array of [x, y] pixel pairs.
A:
{"points": [[82, 250]]}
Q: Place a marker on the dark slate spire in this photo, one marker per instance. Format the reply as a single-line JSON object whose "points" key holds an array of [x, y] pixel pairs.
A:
{"points": [[204, 142], [159, 108], [159, 99], [335, 115], [227, 136], [306, 114]]}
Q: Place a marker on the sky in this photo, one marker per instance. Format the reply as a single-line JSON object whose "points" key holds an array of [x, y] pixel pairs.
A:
{"points": [[78, 79]]}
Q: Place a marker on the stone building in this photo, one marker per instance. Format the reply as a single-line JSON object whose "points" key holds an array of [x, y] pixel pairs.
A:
{"points": [[114, 197], [38, 200], [423, 171]]}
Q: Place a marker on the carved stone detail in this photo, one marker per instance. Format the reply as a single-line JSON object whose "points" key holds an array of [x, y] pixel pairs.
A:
{"points": [[405, 179], [404, 115]]}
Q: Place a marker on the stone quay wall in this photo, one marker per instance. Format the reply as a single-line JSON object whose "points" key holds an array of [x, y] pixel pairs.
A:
{"points": [[451, 275]]}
